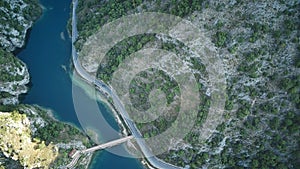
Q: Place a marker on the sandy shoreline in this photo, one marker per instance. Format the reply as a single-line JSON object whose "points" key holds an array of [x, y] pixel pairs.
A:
{"points": [[89, 90], [124, 132], [78, 81]]}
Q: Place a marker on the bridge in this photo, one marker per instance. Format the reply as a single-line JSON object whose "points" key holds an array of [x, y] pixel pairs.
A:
{"points": [[78, 153], [151, 158], [108, 145]]}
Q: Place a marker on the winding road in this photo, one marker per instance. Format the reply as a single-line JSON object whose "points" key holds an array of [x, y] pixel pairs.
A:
{"points": [[152, 159]]}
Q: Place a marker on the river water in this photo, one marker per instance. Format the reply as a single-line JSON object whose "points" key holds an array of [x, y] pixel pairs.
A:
{"points": [[48, 57]]}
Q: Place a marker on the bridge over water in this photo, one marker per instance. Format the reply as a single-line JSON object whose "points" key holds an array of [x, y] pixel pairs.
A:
{"points": [[78, 153]]}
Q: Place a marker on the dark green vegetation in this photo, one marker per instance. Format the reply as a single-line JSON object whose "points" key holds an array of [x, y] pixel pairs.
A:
{"points": [[9, 163], [9, 65], [13, 77], [16, 17], [58, 132], [260, 48], [157, 79], [54, 132], [44, 127], [93, 14], [116, 55], [33, 11], [148, 80], [30, 12], [5, 95], [140, 88]]}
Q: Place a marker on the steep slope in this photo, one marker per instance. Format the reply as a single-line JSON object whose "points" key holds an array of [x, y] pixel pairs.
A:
{"points": [[258, 43], [16, 17]]}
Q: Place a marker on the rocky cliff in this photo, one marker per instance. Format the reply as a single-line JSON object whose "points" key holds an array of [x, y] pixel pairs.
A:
{"points": [[16, 17]]}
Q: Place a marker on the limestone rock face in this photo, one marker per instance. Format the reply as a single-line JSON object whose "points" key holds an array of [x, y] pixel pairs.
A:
{"points": [[16, 142], [14, 78], [16, 17]]}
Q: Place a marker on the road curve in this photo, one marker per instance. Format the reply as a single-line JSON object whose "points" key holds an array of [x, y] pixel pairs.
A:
{"points": [[74, 161], [153, 160]]}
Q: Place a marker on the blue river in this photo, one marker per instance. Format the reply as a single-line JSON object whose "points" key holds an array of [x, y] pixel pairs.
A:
{"points": [[48, 56]]}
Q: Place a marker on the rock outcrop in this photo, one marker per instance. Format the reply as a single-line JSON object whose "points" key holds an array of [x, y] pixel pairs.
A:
{"points": [[16, 17]]}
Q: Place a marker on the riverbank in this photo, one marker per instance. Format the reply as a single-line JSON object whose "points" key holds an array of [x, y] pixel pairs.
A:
{"points": [[99, 96], [45, 131], [107, 90], [103, 98], [42, 124], [14, 35]]}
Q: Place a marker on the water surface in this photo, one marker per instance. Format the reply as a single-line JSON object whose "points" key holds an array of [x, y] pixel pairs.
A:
{"points": [[47, 55]]}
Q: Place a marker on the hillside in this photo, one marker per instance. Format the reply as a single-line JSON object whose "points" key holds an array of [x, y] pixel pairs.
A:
{"points": [[16, 18], [258, 43], [31, 137], [17, 144]]}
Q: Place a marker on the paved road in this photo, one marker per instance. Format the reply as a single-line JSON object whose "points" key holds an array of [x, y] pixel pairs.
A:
{"points": [[74, 161], [153, 160]]}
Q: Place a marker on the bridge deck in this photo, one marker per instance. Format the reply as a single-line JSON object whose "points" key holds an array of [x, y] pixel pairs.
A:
{"points": [[107, 145]]}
